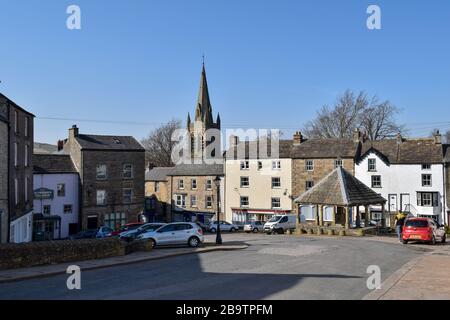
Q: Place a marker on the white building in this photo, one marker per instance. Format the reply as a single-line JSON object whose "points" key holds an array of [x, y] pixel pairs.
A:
{"points": [[56, 197], [257, 187], [408, 173]]}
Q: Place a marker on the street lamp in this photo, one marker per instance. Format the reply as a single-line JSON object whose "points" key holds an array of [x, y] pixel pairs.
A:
{"points": [[218, 234]]}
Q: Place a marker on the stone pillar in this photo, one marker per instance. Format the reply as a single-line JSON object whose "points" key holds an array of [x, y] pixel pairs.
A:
{"points": [[358, 217], [367, 217], [347, 218], [321, 215], [333, 223]]}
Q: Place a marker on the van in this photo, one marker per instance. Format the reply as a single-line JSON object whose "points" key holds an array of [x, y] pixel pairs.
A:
{"points": [[280, 223]]}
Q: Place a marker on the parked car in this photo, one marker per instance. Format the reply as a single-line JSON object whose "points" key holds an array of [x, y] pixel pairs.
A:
{"points": [[127, 227], [175, 234], [224, 226], [104, 232], [86, 234], [280, 223], [254, 226], [132, 234], [423, 229]]}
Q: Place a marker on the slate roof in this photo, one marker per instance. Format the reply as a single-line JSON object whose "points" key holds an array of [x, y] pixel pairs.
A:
{"points": [[340, 188], [15, 105], [44, 148], [117, 143], [197, 170], [447, 153], [157, 174], [325, 148], [408, 151], [250, 150], [51, 164]]}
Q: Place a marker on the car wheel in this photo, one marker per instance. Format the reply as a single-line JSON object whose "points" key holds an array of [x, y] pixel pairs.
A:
{"points": [[444, 239], [152, 243], [280, 231], [255, 230], [433, 241], [405, 241], [213, 230], [232, 230], [194, 242]]}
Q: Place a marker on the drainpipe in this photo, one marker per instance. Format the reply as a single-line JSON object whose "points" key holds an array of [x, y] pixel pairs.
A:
{"points": [[8, 187], [444, 206]]}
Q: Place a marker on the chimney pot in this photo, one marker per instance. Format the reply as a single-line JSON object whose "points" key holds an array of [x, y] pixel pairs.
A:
{"points": [[437, 137], [60, 145], [298, 138]]}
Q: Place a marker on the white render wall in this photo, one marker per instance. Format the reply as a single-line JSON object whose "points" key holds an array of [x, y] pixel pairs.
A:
{"points": [[260, 190], [397, 179], [50, 181]]}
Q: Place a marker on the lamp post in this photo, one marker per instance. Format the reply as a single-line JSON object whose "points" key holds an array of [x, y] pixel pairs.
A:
{"points": [[218, 234]]}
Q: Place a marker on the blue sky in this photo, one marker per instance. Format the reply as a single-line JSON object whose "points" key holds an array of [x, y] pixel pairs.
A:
{"points": [[270, 63]]}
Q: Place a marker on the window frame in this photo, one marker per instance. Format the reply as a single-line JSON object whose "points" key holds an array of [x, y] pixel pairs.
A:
{"points": [[126, 171], [425, 180], [242, 179], [309, 165], [99, 191], [380, 182], [372, 167], [274, 200], [279, 183], [247, 201], [245, 165], [101, 177], [124, 196]]}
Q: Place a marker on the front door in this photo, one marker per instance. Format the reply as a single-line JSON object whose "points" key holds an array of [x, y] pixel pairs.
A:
{"points": [[92, 222], [393, 207], [405, 203]]}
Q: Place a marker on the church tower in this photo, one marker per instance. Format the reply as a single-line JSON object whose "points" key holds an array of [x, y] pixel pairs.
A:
{"points": [[203, 119]]}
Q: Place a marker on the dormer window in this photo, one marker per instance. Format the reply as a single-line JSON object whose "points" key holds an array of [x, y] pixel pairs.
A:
{"points": [[426, 167], [117, 141]]}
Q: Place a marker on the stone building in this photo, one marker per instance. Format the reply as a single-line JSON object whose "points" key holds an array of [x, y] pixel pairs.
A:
{"points": [[4, 128], [18, 141], [194, 192], [112, 178], [157, 194], [314, 159]]}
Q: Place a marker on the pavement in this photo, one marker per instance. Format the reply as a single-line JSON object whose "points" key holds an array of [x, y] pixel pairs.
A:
{"points": [[271, 267], [159, 253], [426, 277]]}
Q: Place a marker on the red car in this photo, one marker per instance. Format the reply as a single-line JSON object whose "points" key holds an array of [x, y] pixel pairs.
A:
{"points": [[126, 227], [424, 230]]}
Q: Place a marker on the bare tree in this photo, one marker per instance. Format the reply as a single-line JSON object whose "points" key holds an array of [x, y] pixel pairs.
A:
{"points": [[350, 112], [447, 137], [159, 144]]}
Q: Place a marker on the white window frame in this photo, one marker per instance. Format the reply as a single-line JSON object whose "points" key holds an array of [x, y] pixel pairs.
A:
{"points": [[306, 185], [372, 165], [208, 185], [16, 154], [64, 208], [426, 167], [274, 185], [128, 171], [26, 127], [372, 181], [194, 184], [97, 194], [180, 200], [276, 165], [260, 165], [309, 165], [326, 217], [98, 170], [181, 184], [26, 162], [241, 202], [245, 165], [243, 179], [194, 201], [275, 200], [430, 180], [209, 202], [127, 193], [338, 163], [16, 191]]}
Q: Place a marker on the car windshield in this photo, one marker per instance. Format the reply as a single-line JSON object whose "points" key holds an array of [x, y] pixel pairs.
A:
{"points": [[417, 223], [275, 219]]}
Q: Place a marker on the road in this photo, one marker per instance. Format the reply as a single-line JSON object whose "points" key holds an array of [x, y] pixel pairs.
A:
{"points": [[272, 267]]}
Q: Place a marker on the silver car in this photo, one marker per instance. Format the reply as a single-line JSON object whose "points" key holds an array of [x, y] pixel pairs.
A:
{"points": [[132, 234], [224, 226], [254, 226], [175, 234]]}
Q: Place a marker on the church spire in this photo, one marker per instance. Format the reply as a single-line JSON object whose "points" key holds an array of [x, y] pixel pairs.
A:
{"points": [[203, 102]]}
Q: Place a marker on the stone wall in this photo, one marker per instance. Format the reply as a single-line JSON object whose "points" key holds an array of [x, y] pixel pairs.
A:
{"points": [[161, 198], [322, 167], [42, 253]]}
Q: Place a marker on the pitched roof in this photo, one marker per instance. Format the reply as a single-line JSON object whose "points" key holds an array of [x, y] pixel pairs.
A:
{"points": [[44, 148], [51, 163], [325, 148], [117, 143], [197, 170], [342, 189], [157, 174], [250, 150], [15, 105], [447, 153], [408, 151]]}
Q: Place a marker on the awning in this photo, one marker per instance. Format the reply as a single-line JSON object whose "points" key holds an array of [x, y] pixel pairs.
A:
{"points": [[42, 217]]}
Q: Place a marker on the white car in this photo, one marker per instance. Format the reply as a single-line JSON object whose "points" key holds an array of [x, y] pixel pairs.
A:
{"points": [[254, 226], [224, 226], [132, 234], [175, 233]]}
